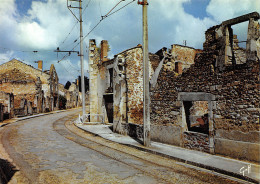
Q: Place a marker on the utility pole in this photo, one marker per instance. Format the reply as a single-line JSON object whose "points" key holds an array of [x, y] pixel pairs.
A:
{"points": [[81, 56], [146, 93], [82, 64]]}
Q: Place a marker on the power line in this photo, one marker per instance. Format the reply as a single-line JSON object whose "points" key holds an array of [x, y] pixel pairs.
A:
{"points": [[121, 8], [114, 7], [68, 71], [73, 67], [34, 51], [100, 9], [102, 18], [86, 6], [69, 33]]}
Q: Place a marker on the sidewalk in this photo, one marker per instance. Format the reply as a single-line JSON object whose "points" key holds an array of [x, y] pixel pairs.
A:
{"points": [[223, 165]]}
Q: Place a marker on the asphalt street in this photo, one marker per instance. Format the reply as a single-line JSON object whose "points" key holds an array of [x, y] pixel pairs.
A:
{"points": [[50, 149]]}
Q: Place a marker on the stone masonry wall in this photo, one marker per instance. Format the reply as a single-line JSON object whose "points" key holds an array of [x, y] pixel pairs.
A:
{"points": [[236, 90], [196, 141], [236, 108], [134, 83], [134, 78], [183, 54], [25, 69]]}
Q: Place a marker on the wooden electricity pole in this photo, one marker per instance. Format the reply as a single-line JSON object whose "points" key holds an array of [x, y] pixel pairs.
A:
{"points": [[81, 56], [146, 93]]}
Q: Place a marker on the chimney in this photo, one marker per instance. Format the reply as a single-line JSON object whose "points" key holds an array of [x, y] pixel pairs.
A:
{"points": [[104, 49], [40, 65]]}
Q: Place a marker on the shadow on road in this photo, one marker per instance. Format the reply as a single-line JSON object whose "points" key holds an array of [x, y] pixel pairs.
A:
{"points": [[7, 170]]}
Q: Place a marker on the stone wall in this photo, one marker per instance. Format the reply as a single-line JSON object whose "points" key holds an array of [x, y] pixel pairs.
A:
{"points": [[236, 90], [183, 55], [235, 108], [196, 141], [94, 59], [27, 69], [7, 102], [134, 80], [38, 87], [132, 69]]}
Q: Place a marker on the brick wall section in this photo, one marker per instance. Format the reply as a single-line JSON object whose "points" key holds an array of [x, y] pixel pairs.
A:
{"points": [[14, 81], [236, 90], [134, 77], [131, 103], [7, 101], [184, 55], [27, 69], [23, 79], [134, 82], [196, 141]]}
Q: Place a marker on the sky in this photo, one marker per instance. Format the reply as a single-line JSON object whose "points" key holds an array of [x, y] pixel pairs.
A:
{"points": [[43, 25]]}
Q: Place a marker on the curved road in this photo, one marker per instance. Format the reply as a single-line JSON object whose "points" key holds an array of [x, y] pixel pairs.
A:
{"points": [[50, 149]]}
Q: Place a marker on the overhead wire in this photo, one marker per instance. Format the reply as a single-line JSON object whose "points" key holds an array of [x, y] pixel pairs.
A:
{"points": [[68, 71], [102, 18], [73, 67], [86, 6], [16, 50], [74, 27], [121, 8], [69, 34], [114, 7]]}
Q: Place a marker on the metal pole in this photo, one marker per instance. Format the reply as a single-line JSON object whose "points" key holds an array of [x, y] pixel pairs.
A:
{"points": [[146, 108], [82, 63]]}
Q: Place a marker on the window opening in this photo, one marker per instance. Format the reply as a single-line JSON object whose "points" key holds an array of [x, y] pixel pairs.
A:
{"points": [[196, 114]]}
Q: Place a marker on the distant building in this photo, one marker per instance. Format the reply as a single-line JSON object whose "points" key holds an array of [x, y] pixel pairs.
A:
{"points": [[34, 90], [73, 96], [6, 105]]}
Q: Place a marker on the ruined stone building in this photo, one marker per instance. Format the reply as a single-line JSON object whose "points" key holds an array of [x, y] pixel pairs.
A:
{"points": [[222, 86], [73, 96], [34, 90], [206, 100], [116, 84], [6, 105], [62, 90], [51, 88]]}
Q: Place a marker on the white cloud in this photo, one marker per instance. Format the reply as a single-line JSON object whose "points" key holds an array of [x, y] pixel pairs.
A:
{"points": [[169, 9], [7, 56], [223, 10], [47, 23], [170, 24]]}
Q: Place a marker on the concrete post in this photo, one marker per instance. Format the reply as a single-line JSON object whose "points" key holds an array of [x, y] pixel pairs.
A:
{"points": [[253, 40], [82, 64], [146, 107]]}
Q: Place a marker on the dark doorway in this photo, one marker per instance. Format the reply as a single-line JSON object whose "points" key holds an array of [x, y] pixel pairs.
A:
{"points": [[187, 106], [109, 107]]}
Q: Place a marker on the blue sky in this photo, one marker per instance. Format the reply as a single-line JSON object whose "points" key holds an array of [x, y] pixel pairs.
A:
{"points": [[197, 8], [44, 25]]}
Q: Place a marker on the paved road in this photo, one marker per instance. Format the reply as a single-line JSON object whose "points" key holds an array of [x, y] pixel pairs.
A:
{"points": [[50, 149]]}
